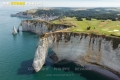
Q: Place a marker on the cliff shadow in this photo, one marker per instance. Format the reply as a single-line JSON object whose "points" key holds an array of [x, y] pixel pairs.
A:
{"points": [[26, 33], [26, 68], [82, 71], [31, 33]]}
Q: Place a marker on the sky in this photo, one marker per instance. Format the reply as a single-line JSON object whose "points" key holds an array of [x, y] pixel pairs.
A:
{"points": [[73, 3]]}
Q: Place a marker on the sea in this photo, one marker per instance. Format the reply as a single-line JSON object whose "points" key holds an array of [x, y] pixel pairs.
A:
{"points": [[17, 53]]}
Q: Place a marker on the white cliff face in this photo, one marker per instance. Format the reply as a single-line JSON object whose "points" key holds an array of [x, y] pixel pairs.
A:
{"points": [[40, 27], [40, 54], [85, 50], [26, 26]]}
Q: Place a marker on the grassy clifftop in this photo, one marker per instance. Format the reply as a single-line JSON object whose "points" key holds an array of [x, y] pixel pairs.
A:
{"points": [[107, 27]]}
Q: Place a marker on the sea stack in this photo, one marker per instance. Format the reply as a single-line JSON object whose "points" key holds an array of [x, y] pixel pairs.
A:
{"points": [[14, 30]]}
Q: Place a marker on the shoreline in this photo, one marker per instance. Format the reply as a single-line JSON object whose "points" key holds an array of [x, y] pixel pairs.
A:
{"points": [[103, 72], [97, 69]]}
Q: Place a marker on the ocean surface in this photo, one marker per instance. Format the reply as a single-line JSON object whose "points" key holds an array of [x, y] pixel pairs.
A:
{"points": [[17, 53]]}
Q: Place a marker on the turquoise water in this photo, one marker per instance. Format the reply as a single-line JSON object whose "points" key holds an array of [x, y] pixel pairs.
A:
{"points": [[17, 53]]}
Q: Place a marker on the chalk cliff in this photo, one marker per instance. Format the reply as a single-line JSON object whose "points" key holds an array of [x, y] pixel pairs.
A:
{"points": [[41, 27], [81, 48], [100, 50]]}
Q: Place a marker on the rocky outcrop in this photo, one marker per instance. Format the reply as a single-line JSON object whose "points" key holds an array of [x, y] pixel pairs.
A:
{"points": [[40, 54], [14, 30], [85, 49], [41, 27]]}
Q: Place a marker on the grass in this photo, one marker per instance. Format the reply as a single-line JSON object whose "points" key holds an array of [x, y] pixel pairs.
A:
{"points": [[106, 27]]}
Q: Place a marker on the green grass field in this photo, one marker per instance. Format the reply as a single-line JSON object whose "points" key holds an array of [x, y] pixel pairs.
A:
{"points": [[106, 27]]}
